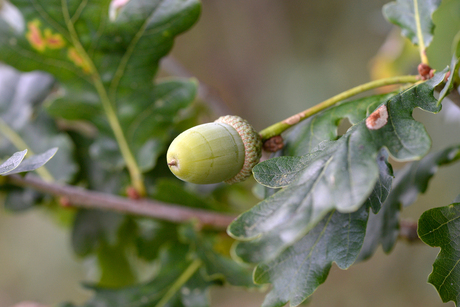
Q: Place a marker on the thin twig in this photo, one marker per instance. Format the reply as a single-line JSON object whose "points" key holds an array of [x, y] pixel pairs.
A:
{"points": [[280, 127], [79, 197]]}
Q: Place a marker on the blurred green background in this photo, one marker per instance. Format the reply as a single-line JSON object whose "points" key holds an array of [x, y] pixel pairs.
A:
{"points": [[269, 59]]}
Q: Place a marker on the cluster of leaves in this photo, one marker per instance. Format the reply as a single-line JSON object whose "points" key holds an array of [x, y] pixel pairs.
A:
{"points": [[321, 188], [321, 213], [91, 92], [328, 197]]}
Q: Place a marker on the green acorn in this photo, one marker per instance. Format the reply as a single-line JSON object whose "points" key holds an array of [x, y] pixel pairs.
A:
{"points": [[225, 150]]}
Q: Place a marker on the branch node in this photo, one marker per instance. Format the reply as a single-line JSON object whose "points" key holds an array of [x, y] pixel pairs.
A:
{"points": [[274, 143], [132, 193], [65, 202]]}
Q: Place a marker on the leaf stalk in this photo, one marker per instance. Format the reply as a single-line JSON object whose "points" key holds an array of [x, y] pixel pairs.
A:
{"points": [[421, 43], [280, 127], [131, 163], [183, 278]]}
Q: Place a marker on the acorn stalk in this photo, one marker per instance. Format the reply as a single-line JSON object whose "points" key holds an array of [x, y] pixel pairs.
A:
{"points": [[225, 150]]}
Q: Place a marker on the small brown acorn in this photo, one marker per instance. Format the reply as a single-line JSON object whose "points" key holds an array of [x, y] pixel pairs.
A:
{"points": [[225, 150]]}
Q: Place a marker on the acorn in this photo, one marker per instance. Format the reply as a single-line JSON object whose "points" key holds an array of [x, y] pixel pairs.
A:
{"points": [[225, 150]]}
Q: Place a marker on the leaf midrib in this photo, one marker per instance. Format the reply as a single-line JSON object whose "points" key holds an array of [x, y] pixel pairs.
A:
{"points": [[129, 51]]}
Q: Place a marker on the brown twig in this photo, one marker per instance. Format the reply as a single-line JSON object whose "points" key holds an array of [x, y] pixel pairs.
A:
{"points": [[82, 198], [79, 197]]}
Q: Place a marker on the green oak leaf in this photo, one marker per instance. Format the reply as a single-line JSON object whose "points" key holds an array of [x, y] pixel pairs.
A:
{"points": [[173, 263], [105, 64], [454, 66], [383, 228], [196, 291], [147, 123], [414, 17], [382, 188], [300, 269], [440, 227], [307, 135], [339, 174], [91, 227], [110, 236], [152, 235], [19, 199], [217, 265], [114, 266], [92, 173], [268, 245]]}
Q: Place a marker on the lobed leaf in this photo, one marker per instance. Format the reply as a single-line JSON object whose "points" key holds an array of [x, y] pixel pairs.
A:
{"points": [[270, 244], [38, 133], [383, 227], [441, 227], [414, 17], [307, 135], [171, 267], [301, 268], [104, 62], [338, 175], [187, 269]]}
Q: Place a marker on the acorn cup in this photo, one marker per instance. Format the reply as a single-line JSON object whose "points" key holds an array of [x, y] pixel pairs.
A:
{"points": [[225, 150]]}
